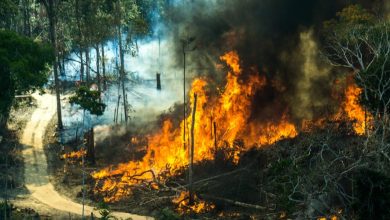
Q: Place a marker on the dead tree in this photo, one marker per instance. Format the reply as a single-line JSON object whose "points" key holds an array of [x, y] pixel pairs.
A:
{"points": [[191, 200], [89, 142]]}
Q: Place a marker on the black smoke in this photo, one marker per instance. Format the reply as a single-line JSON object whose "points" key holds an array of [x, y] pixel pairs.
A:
{"points": [[266, 35]]}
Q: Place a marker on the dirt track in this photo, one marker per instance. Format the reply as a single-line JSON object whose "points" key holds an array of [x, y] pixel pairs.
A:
{"points": [[36, 173]]}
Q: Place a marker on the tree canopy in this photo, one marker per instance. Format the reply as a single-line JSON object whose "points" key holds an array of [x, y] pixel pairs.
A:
{"points": [[359, 41], [88, 100], [23, 67]]}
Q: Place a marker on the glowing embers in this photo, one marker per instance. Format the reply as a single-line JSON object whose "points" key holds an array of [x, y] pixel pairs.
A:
{"points": [[198, 206], [74, 154]]}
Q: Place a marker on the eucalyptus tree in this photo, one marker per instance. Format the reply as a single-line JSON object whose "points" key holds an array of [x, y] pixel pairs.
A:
{"points": [[51, 12], [130, 20]]}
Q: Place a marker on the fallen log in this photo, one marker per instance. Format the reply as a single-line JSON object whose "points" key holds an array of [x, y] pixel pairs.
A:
{"points": [[237, 203]]}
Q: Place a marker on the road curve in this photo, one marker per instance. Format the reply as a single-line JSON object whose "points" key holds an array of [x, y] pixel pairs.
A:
{"points": [[35, 172]]}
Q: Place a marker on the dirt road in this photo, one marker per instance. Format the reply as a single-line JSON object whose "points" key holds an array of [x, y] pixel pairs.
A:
{"points": [[36, 173]]}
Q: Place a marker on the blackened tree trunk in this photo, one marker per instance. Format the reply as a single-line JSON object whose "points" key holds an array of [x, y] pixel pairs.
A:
{"points": [[90, 147], [191, 153]]}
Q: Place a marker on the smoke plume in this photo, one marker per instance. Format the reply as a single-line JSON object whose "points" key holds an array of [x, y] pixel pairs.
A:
{"points": [[276, 39]]}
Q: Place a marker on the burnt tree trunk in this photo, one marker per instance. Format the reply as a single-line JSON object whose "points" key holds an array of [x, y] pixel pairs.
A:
{"points": [[90, 147], [158, 79], [191, 193], [215, 135]]}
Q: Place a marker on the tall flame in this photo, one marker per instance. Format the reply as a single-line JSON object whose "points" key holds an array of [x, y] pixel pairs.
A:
{"points": [[229, 111], [354, 111]]}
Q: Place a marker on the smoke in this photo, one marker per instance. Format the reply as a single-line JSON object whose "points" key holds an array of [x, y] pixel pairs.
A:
{"points": [[309, 98], [275, 38], [102, 132]]}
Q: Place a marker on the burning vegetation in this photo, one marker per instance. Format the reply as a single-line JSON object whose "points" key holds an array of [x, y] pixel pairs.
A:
{"points": [[198, 206], [270, 132], [355, 112], [74, 154], [229, 112], [287, 112], [262, 142], [223, 124]]}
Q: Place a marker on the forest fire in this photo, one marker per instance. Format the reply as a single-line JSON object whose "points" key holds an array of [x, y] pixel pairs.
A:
{"points": [[74, 154], [220, 121], [229, 112], [199, 206], [354, 111]]}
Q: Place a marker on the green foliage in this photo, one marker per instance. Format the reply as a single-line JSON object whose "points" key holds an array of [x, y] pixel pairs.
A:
{"points": [[6, 209], [284, 172], [358, 40], [105, 212], [351, 15], [168, 214], [88, 100], [23, 67], [8, 9]]}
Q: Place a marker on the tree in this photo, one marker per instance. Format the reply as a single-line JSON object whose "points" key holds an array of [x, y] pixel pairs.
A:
{"points": [[50, 7], [358, 41], [8, 10], [130, 20], [23, 67], [89, 100]]}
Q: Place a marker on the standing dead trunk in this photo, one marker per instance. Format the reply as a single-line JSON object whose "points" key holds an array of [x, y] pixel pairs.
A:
{"points": [[190, 173], [104, 69], [215, 136], [90, 146], [158, 79]]}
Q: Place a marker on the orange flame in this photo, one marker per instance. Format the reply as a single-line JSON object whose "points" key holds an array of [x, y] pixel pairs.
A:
{"points": [[230, 111], [74, 154], [354, 110], [199, 206]]}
